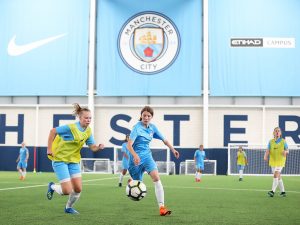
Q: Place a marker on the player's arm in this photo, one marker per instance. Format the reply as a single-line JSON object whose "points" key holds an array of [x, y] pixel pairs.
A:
{"points": [[246, 159], [136, 158], [176, 153], [286, 149], [51, 137], [92, 146], [18, 158], [27, 155], [96, 148], [125, 155]]}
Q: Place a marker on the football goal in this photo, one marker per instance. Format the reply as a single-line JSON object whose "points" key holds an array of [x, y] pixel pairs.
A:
{"points": [[160, 155], [257, 165], [187, 167], [95, 165]]}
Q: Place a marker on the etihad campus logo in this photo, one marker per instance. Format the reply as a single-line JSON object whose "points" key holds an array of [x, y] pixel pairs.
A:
{"points": [[149, 42]]}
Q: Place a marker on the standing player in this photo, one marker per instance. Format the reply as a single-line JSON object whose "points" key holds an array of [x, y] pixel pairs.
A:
{"points": [[64, 145], [277, 150], [199, 157], [242, 161], [141, 159], [125, 160], [22, 161]]}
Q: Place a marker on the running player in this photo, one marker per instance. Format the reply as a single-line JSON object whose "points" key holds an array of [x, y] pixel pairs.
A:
{"points": [[125, 160], [64, 145], [141, 159]]}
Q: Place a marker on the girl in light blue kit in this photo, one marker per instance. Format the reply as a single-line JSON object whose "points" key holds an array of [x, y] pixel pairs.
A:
{"points": [[125, 160], [141, 160]]}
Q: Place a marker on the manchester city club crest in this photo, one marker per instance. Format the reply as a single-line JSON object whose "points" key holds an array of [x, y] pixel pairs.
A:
{"points": [[149, 43]]}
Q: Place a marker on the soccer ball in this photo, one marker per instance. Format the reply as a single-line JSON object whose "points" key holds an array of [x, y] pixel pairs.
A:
{"points": [[136, 190]]}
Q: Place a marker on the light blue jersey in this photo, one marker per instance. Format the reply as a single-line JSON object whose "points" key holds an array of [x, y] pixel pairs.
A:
{"points": [[23, 154], [66, 134], [141, 137], [199, 156]]}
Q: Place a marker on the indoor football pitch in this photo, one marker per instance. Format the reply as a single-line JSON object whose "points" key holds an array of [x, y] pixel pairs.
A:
{"points": [[215, 200]]}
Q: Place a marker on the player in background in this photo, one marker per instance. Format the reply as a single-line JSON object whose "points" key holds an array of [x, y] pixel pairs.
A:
{"points": [[199, 157], [22, 161], [125, 160], [64, 145], [276, 153], [242, 161], [141, 159]]}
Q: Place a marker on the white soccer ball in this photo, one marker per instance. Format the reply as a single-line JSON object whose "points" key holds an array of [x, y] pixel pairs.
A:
{"points": [[136, 190]]}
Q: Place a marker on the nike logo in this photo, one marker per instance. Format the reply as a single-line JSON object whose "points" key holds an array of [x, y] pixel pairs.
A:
{"points": [[15, 50]]}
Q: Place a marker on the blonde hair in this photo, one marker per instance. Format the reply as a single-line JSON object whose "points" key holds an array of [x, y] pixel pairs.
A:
{"points": [[78, 109]]}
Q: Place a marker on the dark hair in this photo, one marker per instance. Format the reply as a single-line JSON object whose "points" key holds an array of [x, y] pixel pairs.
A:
{"points": [[127, 136], [147, 109], [78, 109]]}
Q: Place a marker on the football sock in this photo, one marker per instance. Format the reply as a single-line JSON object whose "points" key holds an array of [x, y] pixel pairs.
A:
{"points": [[241, 173], [281, 186], [73, 197], [275, 184], [121, 178], [57, 188], [196, 175], [159, 192]]}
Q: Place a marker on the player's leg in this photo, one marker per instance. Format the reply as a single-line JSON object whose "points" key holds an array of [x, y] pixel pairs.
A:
{"points": [[24, 170], [20, 170], [125, 165], [76, 180], [152, 170], [281, 186], [275, 181], [240, 169], [62, 173]]}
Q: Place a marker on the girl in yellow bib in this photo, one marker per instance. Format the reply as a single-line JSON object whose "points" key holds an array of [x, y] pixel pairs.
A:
{"points": [[64, 145], [276, 153]]}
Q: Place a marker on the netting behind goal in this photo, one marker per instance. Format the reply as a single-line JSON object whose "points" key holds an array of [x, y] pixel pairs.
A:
{"points": [[257, 165], [95, 165], [188, 167], [160, 155]]}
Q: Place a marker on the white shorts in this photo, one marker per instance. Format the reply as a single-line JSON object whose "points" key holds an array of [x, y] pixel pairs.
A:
{"points": [[277, 169]]}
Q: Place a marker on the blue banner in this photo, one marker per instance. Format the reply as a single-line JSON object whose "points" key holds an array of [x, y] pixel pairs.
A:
{"points": [[149, 48], [43, 47], [252, 47]]}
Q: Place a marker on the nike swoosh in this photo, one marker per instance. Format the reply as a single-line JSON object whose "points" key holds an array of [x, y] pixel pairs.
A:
{"points": [[14, 50]]}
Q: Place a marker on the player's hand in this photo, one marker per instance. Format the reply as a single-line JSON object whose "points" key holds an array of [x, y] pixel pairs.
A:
{"points": [[137, 160], [176, 154], [49, 152], [100, 146], [266, 158]]}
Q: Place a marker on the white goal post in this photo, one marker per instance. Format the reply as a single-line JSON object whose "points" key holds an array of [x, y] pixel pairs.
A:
{"points": [[187, 167], [95, 165], [161, 156], [256, 164]]}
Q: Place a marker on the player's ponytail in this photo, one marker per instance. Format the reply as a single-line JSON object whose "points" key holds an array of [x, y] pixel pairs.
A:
{"points": [[78, 109]]}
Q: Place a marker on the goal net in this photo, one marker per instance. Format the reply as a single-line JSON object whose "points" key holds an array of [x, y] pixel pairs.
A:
{"points": [[95, 165], [160, 155], [257, 165], [188, 167]]}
